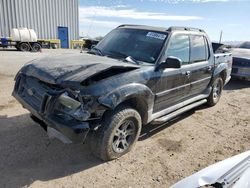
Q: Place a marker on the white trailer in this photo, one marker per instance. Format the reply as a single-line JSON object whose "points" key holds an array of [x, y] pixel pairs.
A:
{"points": [[23, 39]]}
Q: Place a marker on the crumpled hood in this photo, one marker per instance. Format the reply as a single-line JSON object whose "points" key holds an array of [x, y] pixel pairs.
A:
{"points": [[71, 68]]}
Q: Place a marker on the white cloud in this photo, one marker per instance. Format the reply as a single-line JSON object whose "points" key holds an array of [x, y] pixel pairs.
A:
{"points": [[93, 28], [233, 25], [208, 1], [192, 1], [89, 21], [97, 19], [123, 12]]}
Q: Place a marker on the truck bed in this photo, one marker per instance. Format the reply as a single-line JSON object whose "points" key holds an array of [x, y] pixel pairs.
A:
{"points": [[224, 59]]}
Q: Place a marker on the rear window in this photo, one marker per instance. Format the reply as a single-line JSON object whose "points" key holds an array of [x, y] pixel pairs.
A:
{"points": [[198, 49]]}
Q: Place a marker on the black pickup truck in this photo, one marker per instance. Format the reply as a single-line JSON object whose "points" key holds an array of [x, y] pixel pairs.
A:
{"points": [[136, 75]]}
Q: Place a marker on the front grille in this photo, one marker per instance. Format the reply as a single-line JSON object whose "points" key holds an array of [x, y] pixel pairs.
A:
{"points": [[31, 90], [242, 62]]}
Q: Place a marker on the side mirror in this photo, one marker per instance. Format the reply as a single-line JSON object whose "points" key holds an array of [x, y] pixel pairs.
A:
{"points": [[171, 62]]}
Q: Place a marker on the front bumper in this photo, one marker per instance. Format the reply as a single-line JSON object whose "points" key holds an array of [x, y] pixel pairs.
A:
{"points": [[36, 99], [76, 132]]}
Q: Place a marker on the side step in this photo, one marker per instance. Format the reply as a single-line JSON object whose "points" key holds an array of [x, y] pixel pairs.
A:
{"points": [[178, 112]]}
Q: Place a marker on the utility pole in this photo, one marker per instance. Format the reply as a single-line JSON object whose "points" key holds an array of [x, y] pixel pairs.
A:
{"points": [[221, 36]]}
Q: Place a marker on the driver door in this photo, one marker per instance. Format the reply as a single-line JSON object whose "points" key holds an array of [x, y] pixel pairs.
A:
{"points": [[173, 85]]}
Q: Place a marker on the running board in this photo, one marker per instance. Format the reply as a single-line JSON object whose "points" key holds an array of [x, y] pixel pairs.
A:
{"points": [[178, 112]]}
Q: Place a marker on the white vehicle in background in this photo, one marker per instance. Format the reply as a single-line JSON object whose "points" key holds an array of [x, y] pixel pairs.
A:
{"points": [[232, 172], [241, 61], [22, 39]]}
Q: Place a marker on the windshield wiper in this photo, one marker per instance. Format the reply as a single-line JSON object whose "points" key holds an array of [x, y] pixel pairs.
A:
{"points": [[97, 50], [124, 57], [131, 60]]}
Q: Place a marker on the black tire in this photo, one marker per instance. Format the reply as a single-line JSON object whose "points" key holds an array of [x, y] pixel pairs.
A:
{"points": [[17, 47], [24, 47], [118, 133], [36, 47], [215, 94]]}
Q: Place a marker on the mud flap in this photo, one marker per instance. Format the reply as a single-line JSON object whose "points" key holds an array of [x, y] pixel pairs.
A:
{"points": [[53, 133]]}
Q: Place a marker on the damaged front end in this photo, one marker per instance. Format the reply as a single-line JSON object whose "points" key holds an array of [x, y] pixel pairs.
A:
{"points": [[59, 94], [63, 112]]}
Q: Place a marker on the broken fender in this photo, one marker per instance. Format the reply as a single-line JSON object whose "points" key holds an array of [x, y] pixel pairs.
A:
{"points": [[117, 96]]}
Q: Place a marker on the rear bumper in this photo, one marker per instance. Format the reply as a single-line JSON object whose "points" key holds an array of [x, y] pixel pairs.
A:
{"points": [[56, 128]]}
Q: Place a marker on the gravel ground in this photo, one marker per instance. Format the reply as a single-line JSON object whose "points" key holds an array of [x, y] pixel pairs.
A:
{"points": [[163, 155]]}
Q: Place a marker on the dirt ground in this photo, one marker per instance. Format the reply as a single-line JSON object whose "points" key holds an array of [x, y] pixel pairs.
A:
{"points": [[163, 155]]}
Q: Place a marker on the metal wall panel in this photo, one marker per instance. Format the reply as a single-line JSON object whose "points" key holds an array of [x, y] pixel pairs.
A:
{"points": [[44, 16]]}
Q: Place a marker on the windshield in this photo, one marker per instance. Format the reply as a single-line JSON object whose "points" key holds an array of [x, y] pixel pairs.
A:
{"points": [[141, 45]]}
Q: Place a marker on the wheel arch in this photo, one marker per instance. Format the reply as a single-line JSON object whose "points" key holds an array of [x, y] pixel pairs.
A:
{"points": [[139, 104], [223, 75], [220, 71], [137, 96]]}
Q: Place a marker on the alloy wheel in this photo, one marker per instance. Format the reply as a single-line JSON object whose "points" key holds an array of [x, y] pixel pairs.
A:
{"points": [[124, 136]]}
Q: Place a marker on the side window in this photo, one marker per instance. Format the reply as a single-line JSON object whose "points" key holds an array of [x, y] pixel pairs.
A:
{"points": [[198, 49], [179, 47]]}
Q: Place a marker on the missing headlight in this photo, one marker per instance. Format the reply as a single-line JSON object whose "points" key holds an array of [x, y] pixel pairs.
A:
{"points": [[71, 107], [67, 103]]}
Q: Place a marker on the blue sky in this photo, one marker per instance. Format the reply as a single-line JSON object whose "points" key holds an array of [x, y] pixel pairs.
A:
{"points": [[98, 17]]}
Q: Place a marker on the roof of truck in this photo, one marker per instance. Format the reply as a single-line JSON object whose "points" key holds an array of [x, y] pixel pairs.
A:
{"points": [[161, 29], [145, 27]]}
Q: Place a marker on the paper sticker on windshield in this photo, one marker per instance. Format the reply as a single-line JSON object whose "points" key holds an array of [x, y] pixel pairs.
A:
{"points": [[156, 35]]}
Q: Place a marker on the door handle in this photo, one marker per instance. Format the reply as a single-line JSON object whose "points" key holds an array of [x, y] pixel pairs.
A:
{"points": [[209, 68], [188, 73]]}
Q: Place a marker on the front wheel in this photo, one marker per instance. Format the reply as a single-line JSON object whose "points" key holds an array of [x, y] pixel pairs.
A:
{"points": [[118, 134], [215, 94]]}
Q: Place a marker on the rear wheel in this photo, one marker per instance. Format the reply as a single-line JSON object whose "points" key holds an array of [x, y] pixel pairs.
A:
{"points": [[215, 94], [24, 47], [118, 134], [36, 47]]}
